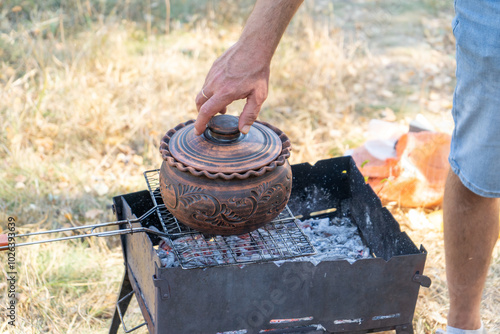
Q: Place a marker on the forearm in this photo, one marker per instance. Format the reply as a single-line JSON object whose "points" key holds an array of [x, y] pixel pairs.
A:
{"points": [[266, 25]]}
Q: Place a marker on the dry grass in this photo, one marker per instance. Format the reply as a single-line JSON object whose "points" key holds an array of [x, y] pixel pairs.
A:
{"points": [[87, 89]]}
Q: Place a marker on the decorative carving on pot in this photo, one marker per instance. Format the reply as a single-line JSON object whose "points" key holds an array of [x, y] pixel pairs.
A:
{"points": [[225, 182]]}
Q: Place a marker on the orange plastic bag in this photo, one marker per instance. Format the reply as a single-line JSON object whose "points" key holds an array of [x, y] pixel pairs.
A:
{"points": [[416, 176]]}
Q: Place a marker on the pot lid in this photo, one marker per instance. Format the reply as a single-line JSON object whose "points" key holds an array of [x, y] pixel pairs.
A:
{"points": [[223, 149]]}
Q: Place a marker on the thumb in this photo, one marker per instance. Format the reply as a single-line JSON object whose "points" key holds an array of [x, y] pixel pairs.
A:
{"points": [[249, 114]]}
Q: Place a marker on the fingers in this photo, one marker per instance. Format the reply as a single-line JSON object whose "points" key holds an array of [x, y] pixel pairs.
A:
{"points": [[209, 107], [210, 103], [207, 110], [201, 98], [249, 114]]}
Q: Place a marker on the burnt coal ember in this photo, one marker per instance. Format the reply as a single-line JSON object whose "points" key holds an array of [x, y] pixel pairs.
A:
{"points": [[333, 238], [198, 250]]}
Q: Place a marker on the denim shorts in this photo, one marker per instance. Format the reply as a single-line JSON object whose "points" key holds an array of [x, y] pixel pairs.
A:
{"points": [[475, 145]]}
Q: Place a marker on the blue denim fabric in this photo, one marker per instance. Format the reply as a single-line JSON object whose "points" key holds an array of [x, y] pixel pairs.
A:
{"points": [[475, 145]]}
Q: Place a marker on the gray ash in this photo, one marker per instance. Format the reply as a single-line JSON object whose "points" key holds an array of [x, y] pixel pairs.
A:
{"points": [[334, 239]]}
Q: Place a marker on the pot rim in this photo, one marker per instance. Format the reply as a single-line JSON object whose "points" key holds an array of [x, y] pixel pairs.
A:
{"points": [[279, 161]]}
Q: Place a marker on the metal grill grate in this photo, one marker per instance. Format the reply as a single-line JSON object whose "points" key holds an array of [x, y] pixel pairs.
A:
{"points": [[279, 240]]}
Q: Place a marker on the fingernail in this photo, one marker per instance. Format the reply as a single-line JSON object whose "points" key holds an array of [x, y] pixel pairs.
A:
{"points": [[245, 129], [196, 132]]}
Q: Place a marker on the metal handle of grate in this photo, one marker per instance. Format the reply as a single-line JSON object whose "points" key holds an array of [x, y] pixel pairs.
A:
{"points": [[278, 240]]}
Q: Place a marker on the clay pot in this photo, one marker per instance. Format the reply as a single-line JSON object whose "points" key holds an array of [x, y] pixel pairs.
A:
{"points": [[224, 182]]}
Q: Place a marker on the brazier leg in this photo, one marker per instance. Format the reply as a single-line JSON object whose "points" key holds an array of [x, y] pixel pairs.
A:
{"points": [[125, 289]]}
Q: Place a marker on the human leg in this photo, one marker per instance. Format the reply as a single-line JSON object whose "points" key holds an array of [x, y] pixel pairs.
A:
{"points": [[471, 204], [470, 232]]}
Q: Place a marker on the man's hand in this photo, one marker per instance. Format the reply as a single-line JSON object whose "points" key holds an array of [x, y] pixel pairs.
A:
{"points": [[238, 74], [242, 72]]}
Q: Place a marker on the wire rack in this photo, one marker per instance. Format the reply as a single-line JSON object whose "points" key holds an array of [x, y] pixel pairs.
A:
{"points": [[278, 240]]}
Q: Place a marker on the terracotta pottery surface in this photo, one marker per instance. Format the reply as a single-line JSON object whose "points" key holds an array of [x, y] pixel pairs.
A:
{"points": [[224, 182]]}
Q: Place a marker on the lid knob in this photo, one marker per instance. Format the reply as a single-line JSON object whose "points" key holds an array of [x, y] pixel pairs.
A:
{"points": [[223, 129]]}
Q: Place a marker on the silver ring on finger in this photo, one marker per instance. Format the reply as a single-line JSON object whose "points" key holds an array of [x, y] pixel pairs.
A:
{"points": [[203, 93]]}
